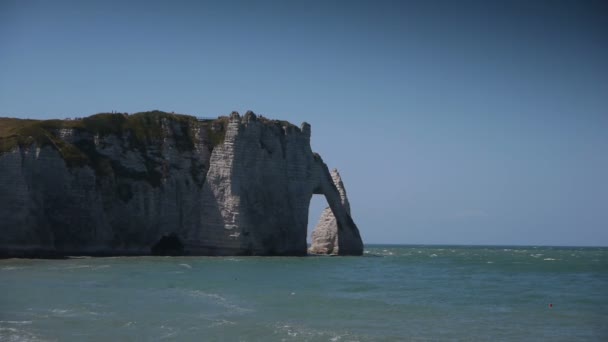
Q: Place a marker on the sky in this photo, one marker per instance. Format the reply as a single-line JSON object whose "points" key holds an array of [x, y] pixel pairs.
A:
{"points": [[451, 122]]}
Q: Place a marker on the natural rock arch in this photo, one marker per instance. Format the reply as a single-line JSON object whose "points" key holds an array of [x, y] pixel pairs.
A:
{"points": [[336, 232]]}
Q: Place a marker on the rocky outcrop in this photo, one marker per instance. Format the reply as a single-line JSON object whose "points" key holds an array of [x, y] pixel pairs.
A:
{"points": [[332, 236], [159, 183]]}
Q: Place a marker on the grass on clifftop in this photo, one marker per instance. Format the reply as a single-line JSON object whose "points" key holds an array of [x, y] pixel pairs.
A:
{"points": [[140, 131]]}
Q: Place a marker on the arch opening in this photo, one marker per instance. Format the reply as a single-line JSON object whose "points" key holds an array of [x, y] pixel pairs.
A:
{"points": [[318, 203]]}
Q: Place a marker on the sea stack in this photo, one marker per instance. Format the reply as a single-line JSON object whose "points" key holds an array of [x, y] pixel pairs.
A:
{"points": [[163, 183]]}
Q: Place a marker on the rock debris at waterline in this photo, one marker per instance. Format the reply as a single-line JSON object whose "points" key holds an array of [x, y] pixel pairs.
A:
{"points": [[167, 184]]}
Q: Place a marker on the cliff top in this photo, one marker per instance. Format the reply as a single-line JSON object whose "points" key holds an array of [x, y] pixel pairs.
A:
{"points": [[140, 129]]}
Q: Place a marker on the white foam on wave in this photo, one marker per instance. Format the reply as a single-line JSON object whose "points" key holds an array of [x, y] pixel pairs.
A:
{"points": [[11, 268], [200, 294], [185, 265], [77, 267], [300, 333], [232, 259], [171, 332], [221, 322], [101, 266], [536, 255], [489, 262], [60, 311], [14, 334], [16, 322], [433, 255], [219, 300], [549, 259]]}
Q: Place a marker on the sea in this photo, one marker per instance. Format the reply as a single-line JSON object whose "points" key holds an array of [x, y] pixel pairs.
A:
{"points": [[392, 293]]}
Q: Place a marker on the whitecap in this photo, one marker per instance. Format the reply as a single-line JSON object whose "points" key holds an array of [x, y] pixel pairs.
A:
{"points": [[185, 265], [433, 255], [100, 267], [16, 322], [218, 300], [13, 334], [199, 293], [489, 262], [549, 259], [11, 268], [220, 322], [77, 266], [62, 312]]}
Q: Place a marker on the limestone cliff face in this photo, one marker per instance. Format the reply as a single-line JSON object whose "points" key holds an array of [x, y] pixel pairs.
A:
{"points": [[231, 186], [330, 237]]}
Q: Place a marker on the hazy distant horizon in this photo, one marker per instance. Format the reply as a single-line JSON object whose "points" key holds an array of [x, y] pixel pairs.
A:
{"points": [[468, 123]]}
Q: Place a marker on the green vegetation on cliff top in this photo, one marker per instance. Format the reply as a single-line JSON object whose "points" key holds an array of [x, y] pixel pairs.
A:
{"points": [[140, 131], [141, 128]]}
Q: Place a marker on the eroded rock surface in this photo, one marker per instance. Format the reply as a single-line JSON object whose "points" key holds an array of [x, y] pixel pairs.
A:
{"points": [[158, 183]]}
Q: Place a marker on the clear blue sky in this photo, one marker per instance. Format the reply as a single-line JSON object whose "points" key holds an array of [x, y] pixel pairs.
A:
{"points": [[468, 122]]}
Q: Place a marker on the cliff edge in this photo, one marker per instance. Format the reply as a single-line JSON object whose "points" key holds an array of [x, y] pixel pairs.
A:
{"points": [[160, 183]]}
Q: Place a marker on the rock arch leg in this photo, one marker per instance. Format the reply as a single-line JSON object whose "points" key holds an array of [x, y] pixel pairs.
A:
{"points": [[336, 233]]}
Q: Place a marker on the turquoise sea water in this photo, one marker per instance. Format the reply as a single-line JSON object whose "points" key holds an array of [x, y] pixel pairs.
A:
{"points": [[393, 293]]}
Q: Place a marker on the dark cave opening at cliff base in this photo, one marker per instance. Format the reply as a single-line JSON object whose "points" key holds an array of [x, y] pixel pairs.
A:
{"points": [[168, 245], [318, 203]]}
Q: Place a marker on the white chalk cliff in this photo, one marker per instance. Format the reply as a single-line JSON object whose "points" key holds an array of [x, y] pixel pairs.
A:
{"points": [[159, 183]]}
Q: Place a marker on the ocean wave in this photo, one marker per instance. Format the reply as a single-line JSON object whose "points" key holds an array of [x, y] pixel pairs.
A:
{"points": [[101, 266], [11, 268], [232, 259], [16, 322], [201, 294], [218, 299], [221, 322], [60, 311], [170, 332], [14, 334], [290, 332]]}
